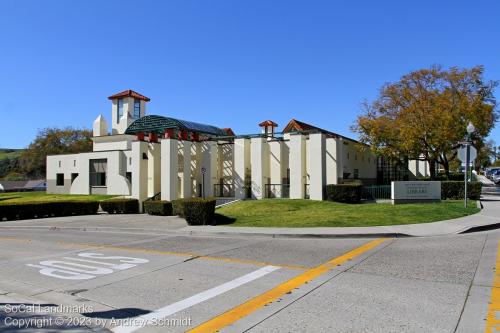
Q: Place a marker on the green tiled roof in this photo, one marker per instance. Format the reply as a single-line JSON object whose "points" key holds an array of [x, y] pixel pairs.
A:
{"points": [[158, 125]]}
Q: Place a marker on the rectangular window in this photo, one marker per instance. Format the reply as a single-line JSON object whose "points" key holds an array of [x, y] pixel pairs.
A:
{"points": [[59, 163], [60, 179], [73, 177], [128, 175], [137, 108], [97, 172], [74, 163], [356, 173], [120, 109]]}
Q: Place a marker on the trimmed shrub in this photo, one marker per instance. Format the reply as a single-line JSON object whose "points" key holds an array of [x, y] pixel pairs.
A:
{"points": [[40, 209], [199, 211], [348, 193], [178, 207], [455, 190], [120, 206], [156, 207]]}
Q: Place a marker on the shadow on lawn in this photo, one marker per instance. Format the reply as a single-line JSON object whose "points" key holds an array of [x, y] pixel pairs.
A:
{"points": [[8, 198], [223, 220]]}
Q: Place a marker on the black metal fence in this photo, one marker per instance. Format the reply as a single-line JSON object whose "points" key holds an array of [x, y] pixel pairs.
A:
{"points": [[277, 190], [224, 190], [376, 192]]}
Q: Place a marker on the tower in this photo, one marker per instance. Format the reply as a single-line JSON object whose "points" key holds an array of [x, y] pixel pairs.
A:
{"points": [[127, 106], [100, 126], [268, 127]]}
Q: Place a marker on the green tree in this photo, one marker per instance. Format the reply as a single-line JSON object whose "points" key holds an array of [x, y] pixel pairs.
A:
{"points": [[53, 141], [15, 176], [8, 165], [425, 114]]}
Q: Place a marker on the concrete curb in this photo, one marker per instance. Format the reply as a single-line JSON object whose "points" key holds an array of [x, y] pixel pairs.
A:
{"points": [[486, 219]]}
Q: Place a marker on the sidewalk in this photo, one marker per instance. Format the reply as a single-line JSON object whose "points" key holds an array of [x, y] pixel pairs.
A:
{"points": [[488, 217]]}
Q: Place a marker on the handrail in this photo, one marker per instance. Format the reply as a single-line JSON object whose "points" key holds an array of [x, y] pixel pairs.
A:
{"points": [[155, 197]]}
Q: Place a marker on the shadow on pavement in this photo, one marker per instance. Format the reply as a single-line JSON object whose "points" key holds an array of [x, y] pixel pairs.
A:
{"points": [[26, 318], [117, 313]]}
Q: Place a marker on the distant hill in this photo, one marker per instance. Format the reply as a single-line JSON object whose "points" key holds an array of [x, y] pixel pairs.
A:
{"points": [[10, 153]]}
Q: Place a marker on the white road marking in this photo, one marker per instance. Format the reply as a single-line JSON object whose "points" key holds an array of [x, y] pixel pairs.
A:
{"points": [[69, 270], [141, 321]]}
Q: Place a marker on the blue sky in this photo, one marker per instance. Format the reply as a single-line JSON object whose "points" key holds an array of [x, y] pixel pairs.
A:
{"points": [[227, 63]]}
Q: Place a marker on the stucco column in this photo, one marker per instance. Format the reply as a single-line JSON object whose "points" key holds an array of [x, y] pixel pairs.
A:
{"points": [[276, 161], [169, 169], [209, 162], [196, 168], [186, 178], [317, 158], [297, 165], [139, 171], [340, 160], [260, 166], [331, 161], [241, 163], [154, 169]]}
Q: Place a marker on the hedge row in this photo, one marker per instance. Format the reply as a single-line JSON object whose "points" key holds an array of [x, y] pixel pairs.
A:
{"points": [[178, 207], [348, 193], [199, 211], [120, 206], [39, 209], [157, 207], [455, 190]]}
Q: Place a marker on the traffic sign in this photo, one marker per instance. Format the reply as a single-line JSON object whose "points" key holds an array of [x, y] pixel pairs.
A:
{"points": [[462, 152], [203, 170]]}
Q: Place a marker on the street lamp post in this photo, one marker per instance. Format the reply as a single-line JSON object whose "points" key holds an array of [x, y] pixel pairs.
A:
{"points": [[470, 130]]}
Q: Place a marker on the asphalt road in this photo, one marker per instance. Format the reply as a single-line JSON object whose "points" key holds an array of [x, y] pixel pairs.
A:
{"points": [[124, 278]]}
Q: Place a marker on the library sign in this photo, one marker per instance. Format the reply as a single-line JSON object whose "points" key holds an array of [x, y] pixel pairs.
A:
{"points": [[415, 191]]}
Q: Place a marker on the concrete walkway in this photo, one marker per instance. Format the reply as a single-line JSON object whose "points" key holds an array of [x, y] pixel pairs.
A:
{"points": [[488, 217]]}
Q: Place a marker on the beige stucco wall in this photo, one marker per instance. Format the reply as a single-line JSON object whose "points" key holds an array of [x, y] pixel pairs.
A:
{"points": [[356, 156], [113, 142], [116, 183]]}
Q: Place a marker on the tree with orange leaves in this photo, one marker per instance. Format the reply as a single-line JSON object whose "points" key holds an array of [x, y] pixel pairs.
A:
{"points": [[425, 114]]}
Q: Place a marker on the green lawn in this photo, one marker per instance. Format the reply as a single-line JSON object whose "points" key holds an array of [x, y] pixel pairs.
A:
{"points": [[308, 213], [42, 196]]}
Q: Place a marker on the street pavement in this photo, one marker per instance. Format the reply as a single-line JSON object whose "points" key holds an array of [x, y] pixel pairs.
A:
{"points": [[123, 274]]}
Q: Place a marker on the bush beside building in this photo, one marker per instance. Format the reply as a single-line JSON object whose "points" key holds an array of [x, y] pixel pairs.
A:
{"points": [[120, 206], [347, 193], [158, 207], [456, 190], [199, 211], [30, 210]]}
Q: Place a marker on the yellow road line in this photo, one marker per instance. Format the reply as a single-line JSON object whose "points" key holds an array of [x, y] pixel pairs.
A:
{"points": [[492, 321], [184, 254], [217, 323], [253, 262], [15, 239], [172, 253], [129, 249]]}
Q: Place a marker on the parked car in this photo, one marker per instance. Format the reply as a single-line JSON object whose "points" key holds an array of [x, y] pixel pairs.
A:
{"points": [[491, 172], [496, 177]]}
